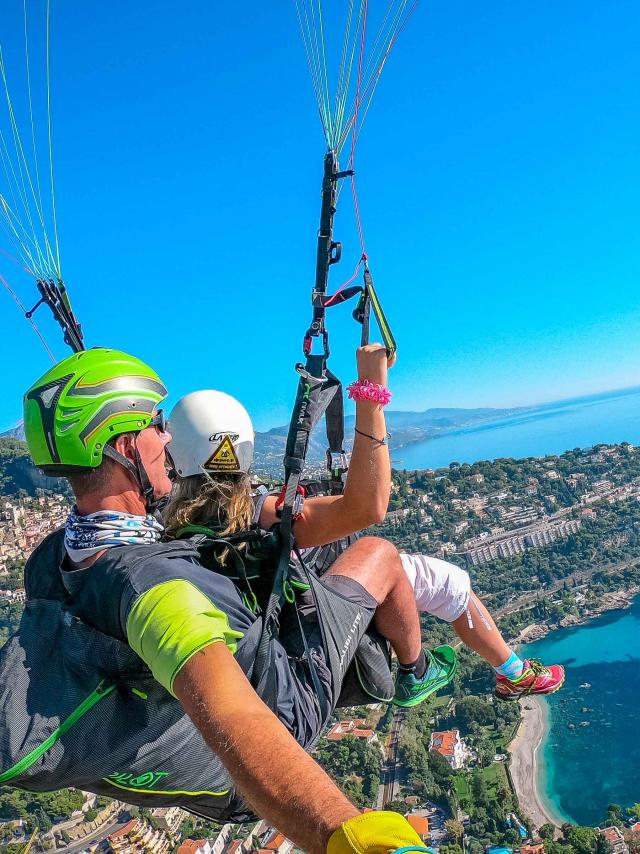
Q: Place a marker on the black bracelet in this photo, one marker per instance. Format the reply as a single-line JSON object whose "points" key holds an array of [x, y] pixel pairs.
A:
{"points": [[373, 438]]}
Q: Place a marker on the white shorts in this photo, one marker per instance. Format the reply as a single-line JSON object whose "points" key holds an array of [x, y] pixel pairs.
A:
{"points": [[440, 588]]}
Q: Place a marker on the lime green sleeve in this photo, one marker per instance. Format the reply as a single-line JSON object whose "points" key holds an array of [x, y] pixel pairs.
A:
{"points": [[171, 622]]}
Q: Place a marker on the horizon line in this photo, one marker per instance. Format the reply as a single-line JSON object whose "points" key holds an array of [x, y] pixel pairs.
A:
{"points": [[530, 406]]}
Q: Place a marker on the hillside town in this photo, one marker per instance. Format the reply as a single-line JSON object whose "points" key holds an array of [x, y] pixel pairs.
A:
{"points": [[446, 765], [24, 522], [460, 512]]}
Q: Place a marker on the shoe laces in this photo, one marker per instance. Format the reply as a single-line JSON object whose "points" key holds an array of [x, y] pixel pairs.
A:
{"points": [[538, 668]]}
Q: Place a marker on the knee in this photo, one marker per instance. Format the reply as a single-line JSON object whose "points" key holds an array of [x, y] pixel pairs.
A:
{"points": [[378, 548], [375, 564]]}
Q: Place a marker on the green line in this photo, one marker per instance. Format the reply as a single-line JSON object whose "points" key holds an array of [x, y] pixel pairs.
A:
{"points": [[102, 690], [23, 167], [140, 694], [39, 203], [326, 76], [10, 216], [53, 193], [385, 329], [164, 792], [343, 106], [307, 41]]}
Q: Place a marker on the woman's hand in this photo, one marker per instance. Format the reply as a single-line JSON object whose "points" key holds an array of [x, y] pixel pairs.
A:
{"points": [[373, 363], [366, 493]]}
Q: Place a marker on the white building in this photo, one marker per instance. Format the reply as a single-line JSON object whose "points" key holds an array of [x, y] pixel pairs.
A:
{"points": [[511, 546], [541, 537], [482, 554], [449, 744]]}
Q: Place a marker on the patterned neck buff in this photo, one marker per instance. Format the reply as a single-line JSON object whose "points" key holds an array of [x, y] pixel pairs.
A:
{"points": [[87, 535]]}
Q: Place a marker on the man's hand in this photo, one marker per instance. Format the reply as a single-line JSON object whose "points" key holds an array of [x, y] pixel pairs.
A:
{"points": [[374, 833], [282, 783]]}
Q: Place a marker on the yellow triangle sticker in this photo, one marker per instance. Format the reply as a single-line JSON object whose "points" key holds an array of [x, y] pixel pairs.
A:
{"points": [[223, 458]]}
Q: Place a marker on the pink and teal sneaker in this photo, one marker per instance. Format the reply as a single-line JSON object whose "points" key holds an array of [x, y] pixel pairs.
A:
{"points": [[535, 679]]}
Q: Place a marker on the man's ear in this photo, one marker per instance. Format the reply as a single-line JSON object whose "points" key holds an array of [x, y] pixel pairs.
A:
{"points": [[125, 445]]}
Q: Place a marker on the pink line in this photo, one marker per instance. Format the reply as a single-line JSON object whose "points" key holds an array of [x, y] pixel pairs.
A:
{"points": [[331, 299], [30, 319], [15, 261]]}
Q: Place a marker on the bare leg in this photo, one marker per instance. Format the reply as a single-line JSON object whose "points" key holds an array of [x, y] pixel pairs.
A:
{"points": [[477, 630], [375, 564]]}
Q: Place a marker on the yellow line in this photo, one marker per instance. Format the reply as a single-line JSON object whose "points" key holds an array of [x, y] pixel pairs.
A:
{"points": [[162, 791]]}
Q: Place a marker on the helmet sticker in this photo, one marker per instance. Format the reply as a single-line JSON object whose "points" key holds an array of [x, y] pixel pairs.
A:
{"points": [[224, 457], [47, 397], [218, 437]]}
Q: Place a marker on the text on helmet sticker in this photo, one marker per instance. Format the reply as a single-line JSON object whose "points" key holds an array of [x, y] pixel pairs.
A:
{"points": [[218, 437], [223, 458]]}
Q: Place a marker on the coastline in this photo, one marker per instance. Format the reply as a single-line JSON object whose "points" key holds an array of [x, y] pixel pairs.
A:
{"points": [[524, 765], [526, 750], [617, 600]]}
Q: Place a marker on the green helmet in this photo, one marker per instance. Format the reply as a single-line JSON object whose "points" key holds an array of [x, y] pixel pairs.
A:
{"points": [[93, 396]]}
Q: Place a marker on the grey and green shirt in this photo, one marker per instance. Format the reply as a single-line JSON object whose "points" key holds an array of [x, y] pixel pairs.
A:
{"points": [[89, 677]]}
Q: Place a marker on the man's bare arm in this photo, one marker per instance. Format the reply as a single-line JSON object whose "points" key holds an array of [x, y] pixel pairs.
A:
{"points": [[282, 783]]}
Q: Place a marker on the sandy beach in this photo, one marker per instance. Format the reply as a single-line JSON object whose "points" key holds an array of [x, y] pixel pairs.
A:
{"points": [[524, 751]]}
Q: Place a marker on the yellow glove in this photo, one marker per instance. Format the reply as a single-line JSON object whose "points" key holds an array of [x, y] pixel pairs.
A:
{"points": [[374, 833]]}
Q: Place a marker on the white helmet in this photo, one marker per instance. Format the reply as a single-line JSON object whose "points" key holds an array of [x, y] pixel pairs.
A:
{"points": [[212, 434]]}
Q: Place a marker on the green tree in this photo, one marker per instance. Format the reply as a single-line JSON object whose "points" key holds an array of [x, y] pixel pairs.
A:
{"points": [[603, 846], [486, 751], [441, 770], [454, 829], [479, 789], [582, 839], [614, 815], [547, 831], [470, 710]]}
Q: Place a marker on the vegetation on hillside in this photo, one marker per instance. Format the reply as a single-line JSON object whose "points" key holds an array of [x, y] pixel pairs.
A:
{"points": [[18, 475]]}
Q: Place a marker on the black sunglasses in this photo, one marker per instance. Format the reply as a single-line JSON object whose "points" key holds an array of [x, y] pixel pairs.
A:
{"points": [[159, 420]]}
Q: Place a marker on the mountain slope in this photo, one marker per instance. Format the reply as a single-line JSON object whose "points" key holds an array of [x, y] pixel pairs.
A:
{"points": [[406, 427]]}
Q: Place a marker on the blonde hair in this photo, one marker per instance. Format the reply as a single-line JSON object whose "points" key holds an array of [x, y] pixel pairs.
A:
{"points": [[223, 503]]}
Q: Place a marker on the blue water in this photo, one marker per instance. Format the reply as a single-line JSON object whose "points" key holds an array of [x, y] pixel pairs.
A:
{"points": [[550, 429], [585, 768]]}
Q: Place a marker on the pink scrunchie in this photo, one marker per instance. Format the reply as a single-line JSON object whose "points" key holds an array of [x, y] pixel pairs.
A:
{"points": [[366, 390]]}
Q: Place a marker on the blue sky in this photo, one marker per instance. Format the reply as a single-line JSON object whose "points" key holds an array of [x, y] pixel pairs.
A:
{"points": [[498, 174]]}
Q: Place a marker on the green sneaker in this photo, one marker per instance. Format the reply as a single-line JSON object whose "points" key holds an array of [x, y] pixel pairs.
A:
{"points": [[441, 668]]}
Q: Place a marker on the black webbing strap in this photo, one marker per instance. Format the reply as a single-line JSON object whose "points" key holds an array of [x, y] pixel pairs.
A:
{"points": [[316, 389], [317, 685], [239, 567], [337, 462], [137, 470]]}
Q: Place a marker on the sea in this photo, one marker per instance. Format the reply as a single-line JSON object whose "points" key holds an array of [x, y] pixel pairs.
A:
{"points": [[590, 756], [553, 428]]}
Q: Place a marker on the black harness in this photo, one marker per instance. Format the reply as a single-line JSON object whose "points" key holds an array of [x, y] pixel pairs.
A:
{"points": [[319, 393]]}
